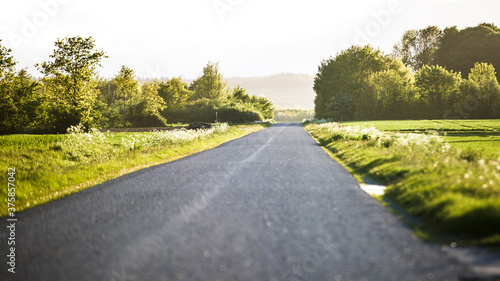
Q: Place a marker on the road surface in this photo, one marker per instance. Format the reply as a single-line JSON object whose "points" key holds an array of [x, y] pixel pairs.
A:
{"points": [[270, 206]]}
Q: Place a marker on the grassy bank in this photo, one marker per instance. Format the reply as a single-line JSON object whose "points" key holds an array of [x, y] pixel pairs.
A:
{"points": [[455, 192], [52, 166]]}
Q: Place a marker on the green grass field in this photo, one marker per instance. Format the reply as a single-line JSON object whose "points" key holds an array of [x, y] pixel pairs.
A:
{"points": [[480, 136], [431, 125], [446, 173], [48, 167]]}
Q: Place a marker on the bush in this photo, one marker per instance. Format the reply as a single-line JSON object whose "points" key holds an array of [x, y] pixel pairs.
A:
{"points": [[205, 110], [139, 116]]}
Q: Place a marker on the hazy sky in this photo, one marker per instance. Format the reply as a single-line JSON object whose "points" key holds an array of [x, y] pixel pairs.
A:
{"points": [[248, 37]]}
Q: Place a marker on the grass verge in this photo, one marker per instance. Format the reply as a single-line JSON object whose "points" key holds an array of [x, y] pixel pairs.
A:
{"points": [[452, 194], [49, 167]]}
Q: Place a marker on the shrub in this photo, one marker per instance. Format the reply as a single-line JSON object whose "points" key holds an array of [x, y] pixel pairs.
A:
{"points": [[205, 110]]}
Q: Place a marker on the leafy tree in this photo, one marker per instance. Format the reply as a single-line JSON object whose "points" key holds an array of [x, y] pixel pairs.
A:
{"points": [[210, 85], [261, 104], [19, 96], [107, 90], [395, 93], [7, 107], [26, 97], [154, 103], [264, 105], [127, 86], [7, 62], [346, 74], [204, 110], [341, 107], [175, 93], [461, 49], [70, 82], [122, 93], [482, 88], [417, 47], [368, 107], [240, 95], [133, 105], [437, 88]]}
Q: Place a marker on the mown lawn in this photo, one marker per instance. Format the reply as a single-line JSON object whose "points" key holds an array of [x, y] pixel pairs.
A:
{"points": [[430, 125], [478, 137], [52, 166]]}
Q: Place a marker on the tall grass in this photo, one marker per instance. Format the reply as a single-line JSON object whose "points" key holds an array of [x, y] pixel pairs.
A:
{"points": [[83, 147]]}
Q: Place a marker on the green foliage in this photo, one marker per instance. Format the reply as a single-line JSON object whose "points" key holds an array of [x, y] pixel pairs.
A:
{"points": [[70, 83], [205, 110], [127, 86], [175, 93], [128, 104], [239, 94], [71, 93], [8, 108], [7, 62], [237, 107], [210, 85], [483, 82], [461, 49], [417, 47], [346, 74], [437, 88], [21, 104], [363, 84], [153, 103], [393, 94], [341, 107], [260, 104]]}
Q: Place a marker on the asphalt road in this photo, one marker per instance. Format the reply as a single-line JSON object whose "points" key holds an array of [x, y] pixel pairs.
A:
{"points": [[270, 206]]}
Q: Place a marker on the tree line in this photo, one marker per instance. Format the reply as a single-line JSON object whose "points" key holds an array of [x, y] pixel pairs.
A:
{"points": [[430, 74], [70, 92]]}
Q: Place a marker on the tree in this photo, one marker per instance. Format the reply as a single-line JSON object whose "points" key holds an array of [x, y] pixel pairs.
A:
{"points": [[145, 111], [175, 93], [260, 104], [26, 96], [107, 91], [347, 74], [417, 47], [154, 103], [482, 87], [341, 107], [7, 62], [70, 82], [395, 93], [461, 49], [264, 105], [122, 94], [240, 95], [7, 107], [210, 85], [437, 88], [133, 105], [127, 86]]}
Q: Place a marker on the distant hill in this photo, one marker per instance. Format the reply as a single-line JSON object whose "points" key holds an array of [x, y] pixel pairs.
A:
{"points": [[286, 90]]}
